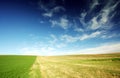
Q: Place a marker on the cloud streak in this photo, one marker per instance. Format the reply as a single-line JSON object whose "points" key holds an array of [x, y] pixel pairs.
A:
{"points": [[104, 17], [51, 12], [93, 35], [93, 5], [69, 38], [106, 48], [47, 51], [62, 22]]}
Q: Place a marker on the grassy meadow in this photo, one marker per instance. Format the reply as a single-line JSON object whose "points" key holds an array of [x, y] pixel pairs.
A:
{"points": [[15, 66], [71, 66]]}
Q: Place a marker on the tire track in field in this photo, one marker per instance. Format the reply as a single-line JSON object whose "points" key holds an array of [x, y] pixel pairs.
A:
{"points": [[35, 69]]}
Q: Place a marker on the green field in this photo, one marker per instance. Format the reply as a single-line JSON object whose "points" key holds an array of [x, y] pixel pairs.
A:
{"points": [[72, 66], [15, 66]]}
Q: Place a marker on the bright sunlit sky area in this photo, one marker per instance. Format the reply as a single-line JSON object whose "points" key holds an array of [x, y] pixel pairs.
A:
{"points": [[59, 27]]}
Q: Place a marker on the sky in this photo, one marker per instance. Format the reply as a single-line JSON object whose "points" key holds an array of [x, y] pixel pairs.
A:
{"points": [[59, 27]]}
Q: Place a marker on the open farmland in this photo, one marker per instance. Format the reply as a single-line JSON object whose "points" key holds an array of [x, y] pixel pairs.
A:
{"points": [[81, 66], [15, 66], [71, 66]]}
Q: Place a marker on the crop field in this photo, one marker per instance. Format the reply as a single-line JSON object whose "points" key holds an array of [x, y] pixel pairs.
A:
{"points": [[15, 66], [81, 66], [71, 66]]}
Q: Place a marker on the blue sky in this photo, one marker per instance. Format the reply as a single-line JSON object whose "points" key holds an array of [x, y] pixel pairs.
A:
{"points": [[59, 27]]}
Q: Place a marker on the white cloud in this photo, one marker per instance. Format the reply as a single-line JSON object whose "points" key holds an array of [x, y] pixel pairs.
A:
{"points": [[50, 12], [51, 47], [63, 23], [102, 49], [100, 21], [78, 29], [103, 16], [69, 38], [95, 23], [106, 48], [82, 18], [93, 35], [54, 39], [53, 22], [106, 36], [55, 42], [106, 11], [58, 9], [93, 5], [57, 46]]}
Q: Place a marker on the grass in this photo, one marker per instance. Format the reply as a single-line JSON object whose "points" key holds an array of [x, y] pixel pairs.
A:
{"points": [[15, 66], [71, 66]]}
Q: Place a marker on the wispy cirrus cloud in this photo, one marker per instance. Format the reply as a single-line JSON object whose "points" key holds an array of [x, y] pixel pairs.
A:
{"points": [[88, 25], [78, 29], [50, 8], [104, 48], [52, 46], [51, 12], [101, 49], [107, 36], [93, 4], [54, 39], [48, 14], [82, 18], [92, 35], [103, 19], [69, 38], [63, 22]]}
